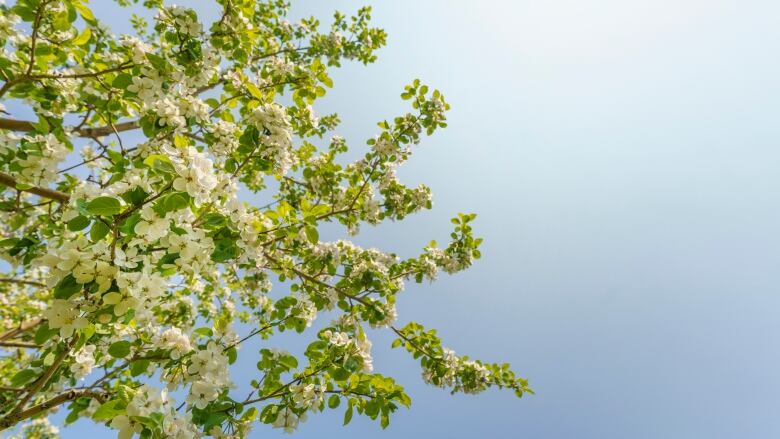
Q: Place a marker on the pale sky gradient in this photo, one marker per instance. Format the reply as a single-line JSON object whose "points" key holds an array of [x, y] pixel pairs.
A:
{"points": [[623, 159]]}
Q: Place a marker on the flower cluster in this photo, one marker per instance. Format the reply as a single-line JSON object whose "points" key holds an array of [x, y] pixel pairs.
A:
{"points": [[360, 347], [37, 158], [83, 361], [150, 403], [276, 138], [195, 173], [174, 340], [225, 139], [208, 367]]}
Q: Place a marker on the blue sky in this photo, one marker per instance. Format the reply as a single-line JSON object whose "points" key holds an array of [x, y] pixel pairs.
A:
{"points": [[622, 156]]}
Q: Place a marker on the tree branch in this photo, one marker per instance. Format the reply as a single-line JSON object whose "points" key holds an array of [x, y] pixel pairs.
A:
{"points": [[10, 389], [23, 327], [18, 344], [314, 280], [91, 132], [34, 38], [119, 68], [8, 180], [41, 382], [62, 398], [276, 393], [23, 281]]}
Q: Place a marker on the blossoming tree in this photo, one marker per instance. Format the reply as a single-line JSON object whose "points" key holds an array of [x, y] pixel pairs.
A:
{"points": [[135, 272]]}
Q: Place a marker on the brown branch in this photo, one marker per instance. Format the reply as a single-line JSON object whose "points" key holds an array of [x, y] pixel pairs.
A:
{"points": [[246, 160], [108, 129], [33, 41], [34, 37], [257, 331], [70, 395], [279, 391], [23, 281], [23, 327], [8, 180], [305, 276], [41, 382], [118, 219], [414, 345], [10, 389], [84, 162], [7, 86], [119, 68], [91, 132], [16, 125], [18, 344]]}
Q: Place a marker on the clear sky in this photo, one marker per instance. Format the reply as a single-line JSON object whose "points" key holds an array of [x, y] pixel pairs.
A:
{"points": [[623, 158]]}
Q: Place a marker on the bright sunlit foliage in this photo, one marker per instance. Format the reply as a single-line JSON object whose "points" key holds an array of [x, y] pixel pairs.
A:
{"points": [[136, 268]]}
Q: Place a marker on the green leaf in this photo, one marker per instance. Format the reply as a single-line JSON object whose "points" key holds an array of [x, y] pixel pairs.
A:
{"points": [[254, 91], [67, 287], [348, 414], [42, 126], [106, 206], [372, 408], [214, 220], [75, 409], [319, 210], [205, 332], [85, 12], [135, 197], [160, 163], [83, 38], [98, 231], [176, 201], [23, 377], [334, 401], [109, 410], [24, 11], [269, 414], [138, 367], [157, 61], [145, 421], [122, 81], [87, 332], [289, 361], [384, 420], [43, 333], [120, 349], [128, 226], [250, 415], [224, 250], [79, 223], [339, 373], [9, 242], [312, 234], [48, 360]]}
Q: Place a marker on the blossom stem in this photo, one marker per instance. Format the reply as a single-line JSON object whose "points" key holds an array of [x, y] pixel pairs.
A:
{"points": [[23, 327], [10, 181], [38, 385], [62, 398], [18, 344], [23, 281]]}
